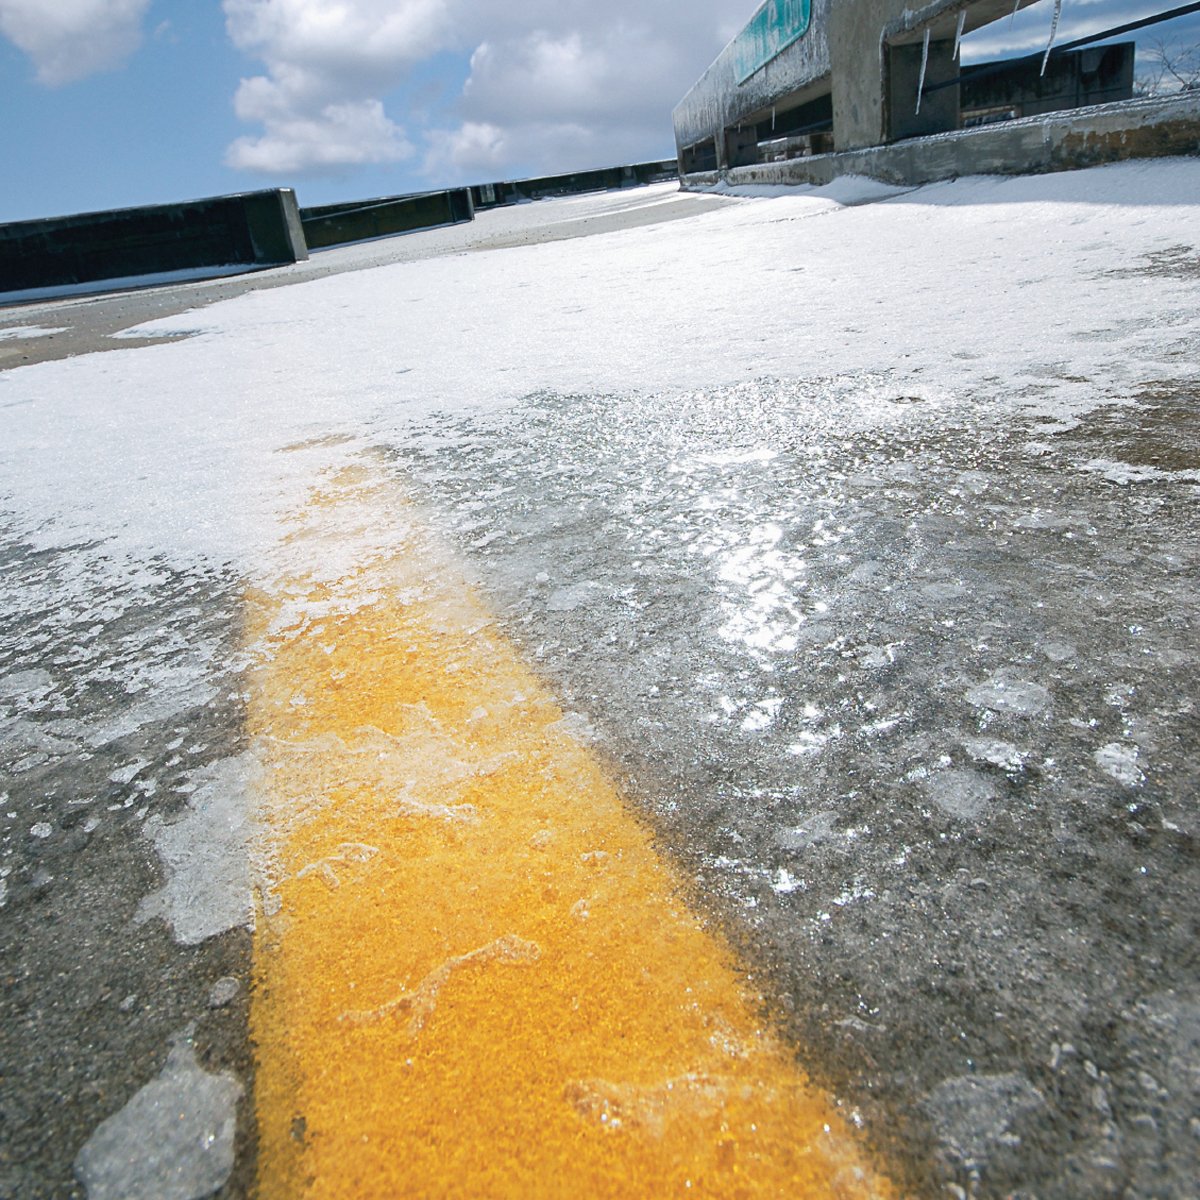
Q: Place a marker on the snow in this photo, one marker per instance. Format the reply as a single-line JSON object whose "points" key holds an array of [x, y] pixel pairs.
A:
{"points": [[28, 331], [173, 450], [737, 381]]}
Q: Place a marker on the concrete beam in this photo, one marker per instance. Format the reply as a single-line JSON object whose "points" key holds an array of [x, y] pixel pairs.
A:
{"points": [[338, 224], [492, 195], [250, 229]]}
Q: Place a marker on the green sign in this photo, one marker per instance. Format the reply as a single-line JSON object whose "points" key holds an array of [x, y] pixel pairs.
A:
{"points": [[772, 29]]}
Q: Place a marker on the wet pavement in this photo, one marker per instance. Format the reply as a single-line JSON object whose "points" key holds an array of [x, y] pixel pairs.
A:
{"points": [[902, 679], [913, 697]]}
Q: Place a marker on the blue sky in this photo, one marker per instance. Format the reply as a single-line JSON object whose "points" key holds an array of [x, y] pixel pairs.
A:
{"points": [[107, 103]]}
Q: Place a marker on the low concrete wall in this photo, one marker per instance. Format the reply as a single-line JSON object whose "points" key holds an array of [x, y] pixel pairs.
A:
{"points": [[1053, 142], [251, 229], [337, 224], [492, 195]]}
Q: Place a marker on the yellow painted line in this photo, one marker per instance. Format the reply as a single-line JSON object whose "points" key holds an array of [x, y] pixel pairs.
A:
{"points": [[474, 975]]}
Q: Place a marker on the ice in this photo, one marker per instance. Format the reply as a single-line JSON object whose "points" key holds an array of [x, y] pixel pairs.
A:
{"points": [[1004, 694], [924, 68], [785, 882], [961, 793], [1053, 32], [1120, 762], [223, 992], [716, 459], [1004, 755], [204, 856], [29, 686], [174, 1139]]}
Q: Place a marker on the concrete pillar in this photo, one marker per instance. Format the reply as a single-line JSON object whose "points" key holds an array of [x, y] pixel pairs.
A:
{"points": [[856, 58]]}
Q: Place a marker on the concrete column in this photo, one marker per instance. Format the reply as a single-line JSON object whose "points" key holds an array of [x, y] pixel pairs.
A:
{"points": [[856, 58]]}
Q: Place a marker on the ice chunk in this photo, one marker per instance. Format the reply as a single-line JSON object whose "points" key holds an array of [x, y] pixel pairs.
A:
{"points": [[1119, 762], [172, 1141], [205, 857], [1017, 696], [961, 793]]}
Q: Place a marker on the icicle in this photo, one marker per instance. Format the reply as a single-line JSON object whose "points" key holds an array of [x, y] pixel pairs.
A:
{"points": [[1053, 31], [1016, 9], [962, 21], [924, 65], [772, 118]]}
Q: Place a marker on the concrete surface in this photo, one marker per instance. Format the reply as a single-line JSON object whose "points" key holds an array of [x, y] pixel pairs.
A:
{"points": [[961, 860]]}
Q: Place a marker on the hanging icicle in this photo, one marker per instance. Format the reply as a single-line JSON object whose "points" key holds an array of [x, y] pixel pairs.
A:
{"points": [[772, 118], [1053, 31], [962, 21], [1016, 9], [924, 66]]}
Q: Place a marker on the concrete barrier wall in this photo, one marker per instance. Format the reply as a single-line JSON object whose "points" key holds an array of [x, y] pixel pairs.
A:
{"points": [[1054, 142], [338, 224], [492, 195], [251, 229]]}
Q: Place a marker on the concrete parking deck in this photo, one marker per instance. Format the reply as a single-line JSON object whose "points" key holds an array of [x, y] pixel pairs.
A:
{"points": [[807, 583]]}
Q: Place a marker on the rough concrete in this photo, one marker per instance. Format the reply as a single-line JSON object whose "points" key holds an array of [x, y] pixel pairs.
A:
{"points": [[256, 228], [860, 35], [845, 50], [965, 867], [120, 720], [112, 704]]}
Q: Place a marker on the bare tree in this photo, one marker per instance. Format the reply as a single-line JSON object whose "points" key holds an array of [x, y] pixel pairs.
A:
{"points": [[1170, 66]]}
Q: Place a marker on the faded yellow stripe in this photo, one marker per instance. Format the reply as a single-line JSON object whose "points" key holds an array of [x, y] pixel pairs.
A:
{"points": [[474, 975]]}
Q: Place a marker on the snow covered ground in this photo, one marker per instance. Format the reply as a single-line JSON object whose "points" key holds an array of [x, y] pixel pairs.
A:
{"points": [[859, 528]]}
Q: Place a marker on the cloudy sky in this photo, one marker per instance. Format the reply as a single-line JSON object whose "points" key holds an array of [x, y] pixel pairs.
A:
{"points": [[113, 102]]}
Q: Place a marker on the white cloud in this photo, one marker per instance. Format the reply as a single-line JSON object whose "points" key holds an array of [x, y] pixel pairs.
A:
{"points": [[476, 148], [338, 136], [71, 39], [553, 84]]}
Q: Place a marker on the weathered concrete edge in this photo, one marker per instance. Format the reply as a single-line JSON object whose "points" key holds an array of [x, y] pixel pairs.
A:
{"points": [[1066, 141]]}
